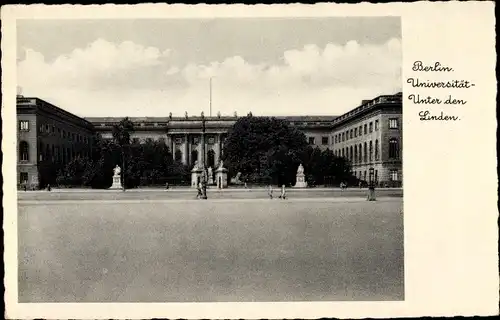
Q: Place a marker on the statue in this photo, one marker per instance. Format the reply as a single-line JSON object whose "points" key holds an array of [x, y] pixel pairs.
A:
{"points": [[221, 164], [170, 115], [196, 165], [210, 176], [249, 114], [301, 179], [218, 114], [186, 114], [300, 170], [203, 114], [235, 114], [117, 180]]}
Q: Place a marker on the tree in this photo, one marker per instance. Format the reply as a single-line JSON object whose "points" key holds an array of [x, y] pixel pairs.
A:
{"points": [[121, 136], [264, 149]]}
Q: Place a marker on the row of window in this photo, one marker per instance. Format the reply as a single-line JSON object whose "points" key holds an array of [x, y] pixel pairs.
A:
{"points": [[365, 152], [50, 152], [354, 133], [24, 126], [361, 175]]}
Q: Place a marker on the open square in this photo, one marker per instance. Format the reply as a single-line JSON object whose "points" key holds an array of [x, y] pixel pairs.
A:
{"points": [[211, 251]]}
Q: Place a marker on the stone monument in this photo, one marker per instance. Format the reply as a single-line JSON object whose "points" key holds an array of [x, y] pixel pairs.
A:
{"points": [[117, 179], [210, 176], [301, 178], [196, 175], [221, 176]]}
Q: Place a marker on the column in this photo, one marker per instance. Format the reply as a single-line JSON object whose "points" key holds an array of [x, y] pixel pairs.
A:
{"points": [[172, 146], [185, 157], [217, 150], [219, 145]]}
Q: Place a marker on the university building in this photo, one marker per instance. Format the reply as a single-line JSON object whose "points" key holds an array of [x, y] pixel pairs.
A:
{"points": [[368, 136]]}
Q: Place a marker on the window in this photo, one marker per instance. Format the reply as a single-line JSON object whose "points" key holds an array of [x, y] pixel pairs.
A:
{"points": [[376, 150], [376, 175], [394, 175], [351, 155], [365, 129], [53, 129], [365, 153], [351, 133], [360, 153], [324, 140], [343, 136], [343, 153], [371, 127], [64, 134], [23, 151], [376, 125], [393, 148], [371, 151], [24, 125], [23, 177], [47, 128], [311, 140], [393, 123], [360, 130], [355, 132], [178, 155]]}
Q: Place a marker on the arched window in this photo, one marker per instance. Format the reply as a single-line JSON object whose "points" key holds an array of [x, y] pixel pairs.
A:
{"points": [[24, 151], [343, 153], [178, 155], [40, 152], [211, 158], [355, 153], [194, 156], [377, 152], [360, 153], [365, 153], [393, 148], [351, 154], [371, 151]]}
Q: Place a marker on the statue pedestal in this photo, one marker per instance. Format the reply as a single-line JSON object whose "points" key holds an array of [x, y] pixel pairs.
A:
{"points": [[221, 178], [117, 183], [301, 181], [195, 177]]}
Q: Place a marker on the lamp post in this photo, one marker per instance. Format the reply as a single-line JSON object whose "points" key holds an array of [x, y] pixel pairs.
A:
{"points": [[371, 185], [204, 174]]}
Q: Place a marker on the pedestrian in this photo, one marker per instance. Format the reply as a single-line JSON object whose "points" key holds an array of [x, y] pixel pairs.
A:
{"points": [[25, 188], [198, 196], [270, 192], [48, 187], [283, 192], [166, 186]]}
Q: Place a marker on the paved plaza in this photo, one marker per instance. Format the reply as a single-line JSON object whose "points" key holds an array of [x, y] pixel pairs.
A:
{"points": [[222, 249]]}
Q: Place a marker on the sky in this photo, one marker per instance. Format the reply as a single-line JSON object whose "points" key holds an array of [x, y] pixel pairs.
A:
{"points": [[269, 66]]}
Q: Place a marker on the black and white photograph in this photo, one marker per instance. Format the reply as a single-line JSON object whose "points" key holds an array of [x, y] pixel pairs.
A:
{"points": [[251, 159]]}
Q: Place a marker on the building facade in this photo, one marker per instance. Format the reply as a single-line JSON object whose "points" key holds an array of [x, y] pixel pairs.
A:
{"points": [[47, 135], [369, 136]]}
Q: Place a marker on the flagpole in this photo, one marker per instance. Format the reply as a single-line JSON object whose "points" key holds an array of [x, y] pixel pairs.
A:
{"points": [[210, 96]]}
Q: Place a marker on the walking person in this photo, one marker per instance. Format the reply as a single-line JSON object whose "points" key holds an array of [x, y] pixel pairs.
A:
{"points": [[270, 192], [198, 196], [283, 192]]}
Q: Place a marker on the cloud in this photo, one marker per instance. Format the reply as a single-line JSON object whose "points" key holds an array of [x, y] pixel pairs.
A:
{"points": [[135, 80]]}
